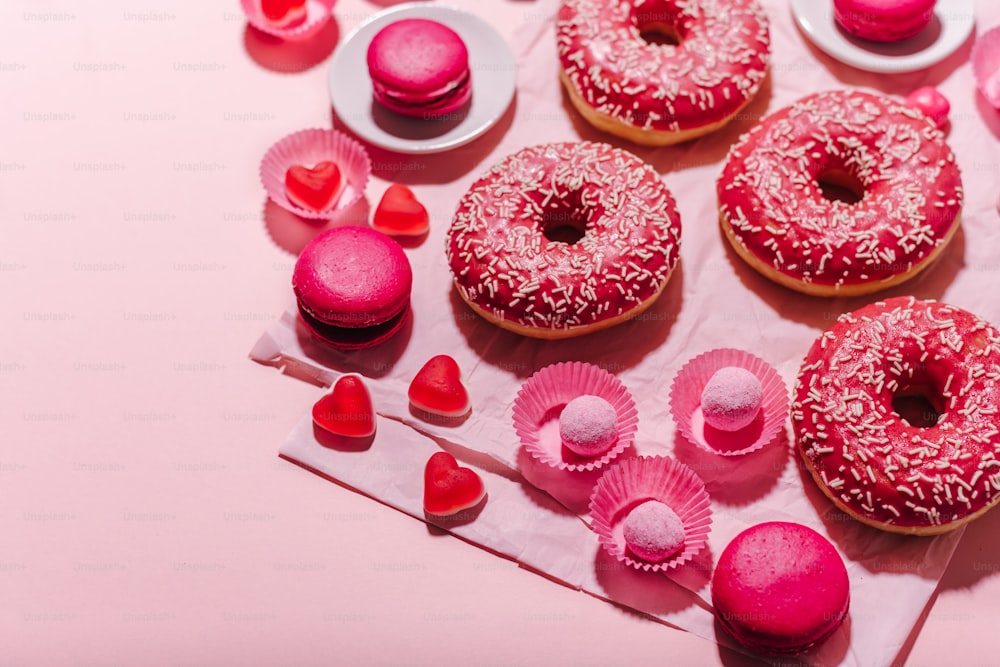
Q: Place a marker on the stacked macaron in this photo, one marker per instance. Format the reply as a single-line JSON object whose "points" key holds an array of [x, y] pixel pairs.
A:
{"points": [[883, 20], [419, 68], [780, 588], [353, 287]]}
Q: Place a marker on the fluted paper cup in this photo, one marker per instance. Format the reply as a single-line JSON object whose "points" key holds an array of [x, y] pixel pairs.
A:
{"points": [[317, 14], [634, 481], [986, 65], [307, 148], [542, 398], [685, 403]]}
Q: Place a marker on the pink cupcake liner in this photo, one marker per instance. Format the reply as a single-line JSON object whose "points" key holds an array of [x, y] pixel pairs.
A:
{"points": [[685, 403], [317, 14], [546, 393], [634, 481], [306, 148], [986, 65]]}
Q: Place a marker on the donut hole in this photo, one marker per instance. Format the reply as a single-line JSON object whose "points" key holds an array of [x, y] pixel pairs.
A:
{"points": [[660, 34], [840, 185], [561, 226], [658, 25], [917, 406]]}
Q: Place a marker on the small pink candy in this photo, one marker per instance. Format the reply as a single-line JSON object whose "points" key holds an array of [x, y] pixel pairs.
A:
{"points": [[731, 399], [653, 531], [588, 425], [932, 103]]}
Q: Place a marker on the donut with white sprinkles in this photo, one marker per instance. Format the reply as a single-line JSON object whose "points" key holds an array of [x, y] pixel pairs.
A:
{"points": [[920, 478], [892, 158], [662, 93], [559, 240]]}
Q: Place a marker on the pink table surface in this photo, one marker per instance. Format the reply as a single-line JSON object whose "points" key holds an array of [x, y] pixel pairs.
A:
{"points": [[148, 519]]}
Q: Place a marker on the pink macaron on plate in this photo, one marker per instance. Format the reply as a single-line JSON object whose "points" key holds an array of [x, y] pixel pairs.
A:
{"points": [[493, 78], [949, 28]]}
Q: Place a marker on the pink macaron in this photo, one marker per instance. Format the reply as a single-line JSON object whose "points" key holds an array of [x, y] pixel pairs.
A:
{"points": [[419, 68], [883, 20], [353, 287], [780, 588]]}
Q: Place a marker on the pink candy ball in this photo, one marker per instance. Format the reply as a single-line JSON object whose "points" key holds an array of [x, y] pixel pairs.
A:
{"points": [[588, 425], [731, 399], [653, 531], [932, 103]]}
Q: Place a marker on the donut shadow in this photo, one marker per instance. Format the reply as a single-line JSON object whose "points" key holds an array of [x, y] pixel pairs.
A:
{"points": [[708, 150], [875, 550], [821, 312], [736, 481], [615, 349], [432, 168], [711, 149], [977, 556]]}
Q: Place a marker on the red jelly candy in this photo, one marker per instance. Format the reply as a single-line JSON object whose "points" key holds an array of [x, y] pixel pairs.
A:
{"points": [[347, 410], [283, 13], [400, 214], [438, 388], [448, 487], [315, 189]]}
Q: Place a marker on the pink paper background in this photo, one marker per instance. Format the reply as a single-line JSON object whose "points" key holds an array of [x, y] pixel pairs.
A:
{"points": [[148, 520]]}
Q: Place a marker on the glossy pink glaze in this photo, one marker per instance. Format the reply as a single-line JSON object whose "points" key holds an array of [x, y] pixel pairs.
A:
{"points": [[353, 284], [873, 463], [718, 66], [419, 68], [770, 197], [502, 261], [780, 588], [883, 20]]}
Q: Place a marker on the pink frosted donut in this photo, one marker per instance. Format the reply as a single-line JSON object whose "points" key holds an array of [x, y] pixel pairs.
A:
{"points": [[658, 94], [588, 425], [870, 461], [653, 531], [883, 20], [731, 398], [559, 240], [778, 220]]}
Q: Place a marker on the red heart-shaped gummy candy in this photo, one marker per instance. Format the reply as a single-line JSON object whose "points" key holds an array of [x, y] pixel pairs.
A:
{"points": [[283, 13], [315, 189], [400, 214], [347, 410], [449, 488], [438, 389]]}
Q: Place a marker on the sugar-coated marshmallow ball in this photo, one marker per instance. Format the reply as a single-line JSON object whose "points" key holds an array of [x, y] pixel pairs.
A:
{"points": [[731, 399], [653, 531], [588, 425]]}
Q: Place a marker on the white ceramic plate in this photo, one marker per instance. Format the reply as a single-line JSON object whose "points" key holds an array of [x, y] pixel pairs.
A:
{"points": [[953, 21], [494, 78]]}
